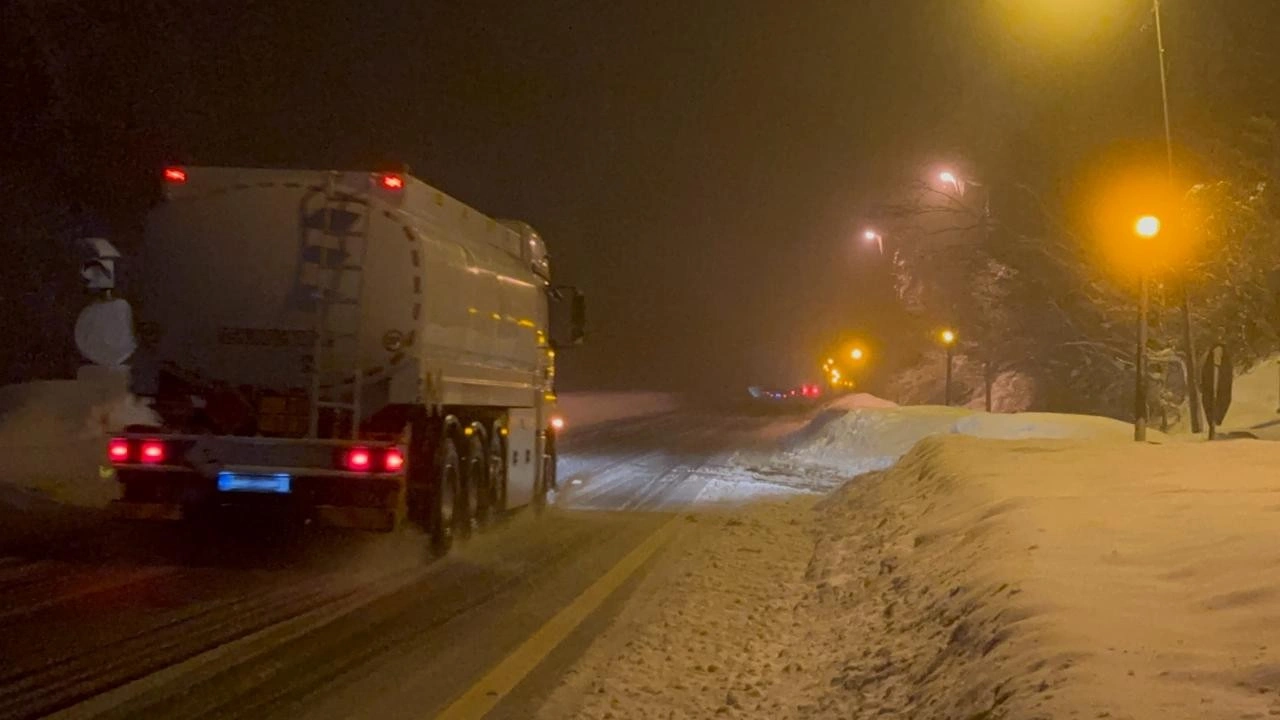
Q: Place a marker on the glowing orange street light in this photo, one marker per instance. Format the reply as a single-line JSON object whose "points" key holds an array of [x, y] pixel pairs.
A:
{"points": [[1147, 226], [857, 354]]}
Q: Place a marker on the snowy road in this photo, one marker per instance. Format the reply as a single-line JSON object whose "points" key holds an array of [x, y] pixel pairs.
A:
{"points": [[116, 621]]}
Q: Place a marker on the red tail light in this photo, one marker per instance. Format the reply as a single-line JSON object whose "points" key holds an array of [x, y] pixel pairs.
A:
{"points": [[393, 461], [118, 450], [175, 175], [152, 452], [359, 459], [391, 182]]}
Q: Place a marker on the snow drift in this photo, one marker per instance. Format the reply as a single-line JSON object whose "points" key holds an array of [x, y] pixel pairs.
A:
{"points": [[1057, 579]]}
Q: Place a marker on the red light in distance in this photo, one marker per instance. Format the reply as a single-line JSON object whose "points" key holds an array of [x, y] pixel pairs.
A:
{"points": [[392, 182], [118, 450], [153, 452], [175, 175], [359, 459], [393, 461]]}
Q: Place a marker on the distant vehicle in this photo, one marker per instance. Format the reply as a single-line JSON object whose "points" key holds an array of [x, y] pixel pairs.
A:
{"points": [[357, 348], [802, 392]]}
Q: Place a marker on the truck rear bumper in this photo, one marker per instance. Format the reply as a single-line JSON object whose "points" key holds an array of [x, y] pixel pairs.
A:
{"points": [[355, 518], [364, 503]]}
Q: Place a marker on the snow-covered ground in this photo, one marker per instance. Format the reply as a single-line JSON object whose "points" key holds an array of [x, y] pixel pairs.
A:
{"points": [[860, 435], [1072, 574]]}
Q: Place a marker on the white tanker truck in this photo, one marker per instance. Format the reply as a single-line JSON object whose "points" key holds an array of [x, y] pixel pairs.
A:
{"points": [[356, 348]]}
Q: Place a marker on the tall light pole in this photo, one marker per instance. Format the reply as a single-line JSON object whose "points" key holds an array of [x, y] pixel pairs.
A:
{"points": [[948, 338], [1193, 390], [1147, 227], [987, 347]]}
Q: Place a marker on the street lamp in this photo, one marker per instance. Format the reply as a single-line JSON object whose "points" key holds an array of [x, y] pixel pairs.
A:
{"points": [[949, 178], [948, 338], [873, 236], [857, 354], [1146, 227]]}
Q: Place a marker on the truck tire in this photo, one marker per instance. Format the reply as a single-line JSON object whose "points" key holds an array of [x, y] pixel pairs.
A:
{"points": [[475, 486], [546, 478], [497, 473], [443, 520]]}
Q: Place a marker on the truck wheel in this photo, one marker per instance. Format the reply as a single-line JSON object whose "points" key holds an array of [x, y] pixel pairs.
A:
{"points": [[445, 501], [546, 480], [498, 473], [475, 486]]}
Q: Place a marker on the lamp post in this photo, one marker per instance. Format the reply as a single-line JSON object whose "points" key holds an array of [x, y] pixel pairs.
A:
{"points": [[948, 338], [1193, 391], [1147, 227]]}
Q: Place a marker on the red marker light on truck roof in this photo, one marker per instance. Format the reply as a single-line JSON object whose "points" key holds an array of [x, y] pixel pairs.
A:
{"points": [[118, 450], [175, 175], [152, 452], [391, 182]]}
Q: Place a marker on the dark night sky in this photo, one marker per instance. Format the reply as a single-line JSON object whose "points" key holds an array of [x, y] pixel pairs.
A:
{"points": [[700, 169]]}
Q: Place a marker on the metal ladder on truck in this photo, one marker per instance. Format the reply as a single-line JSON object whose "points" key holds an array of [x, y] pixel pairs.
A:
{"points": [[335, 245]]}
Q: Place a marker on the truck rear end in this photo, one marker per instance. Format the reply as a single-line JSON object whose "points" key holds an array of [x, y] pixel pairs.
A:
{"points": [[248, 280]]}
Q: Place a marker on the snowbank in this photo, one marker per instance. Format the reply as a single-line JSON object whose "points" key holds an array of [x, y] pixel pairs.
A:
{"points": [[871, 438], [1059, 579], [582, 409], [51, 439]]}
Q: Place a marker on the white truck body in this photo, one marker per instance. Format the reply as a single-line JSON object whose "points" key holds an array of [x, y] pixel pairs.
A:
{"points": [[229, 294], [298, 292]]}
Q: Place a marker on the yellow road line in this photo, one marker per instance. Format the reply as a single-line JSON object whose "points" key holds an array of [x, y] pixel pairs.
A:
{"points": [[494, 686]]}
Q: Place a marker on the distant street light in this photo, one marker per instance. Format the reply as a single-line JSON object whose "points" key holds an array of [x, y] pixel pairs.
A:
{"points": [[857, 354], [877, 238], [1146, 227], [948, 338]]}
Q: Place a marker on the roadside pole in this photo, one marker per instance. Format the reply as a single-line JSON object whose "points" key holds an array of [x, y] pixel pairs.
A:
{"points": [[1140, 366]]}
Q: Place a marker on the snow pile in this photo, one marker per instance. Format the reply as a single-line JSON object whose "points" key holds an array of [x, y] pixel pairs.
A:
{"points": [[582, 409], [51, 438], [1055, 579], [870, 438]]}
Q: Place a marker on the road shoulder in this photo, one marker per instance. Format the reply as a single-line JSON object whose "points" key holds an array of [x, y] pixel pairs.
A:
{"points": [[707, 629]]}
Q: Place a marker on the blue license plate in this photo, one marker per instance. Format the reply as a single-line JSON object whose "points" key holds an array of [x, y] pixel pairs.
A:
{"points": [[235, 482]]}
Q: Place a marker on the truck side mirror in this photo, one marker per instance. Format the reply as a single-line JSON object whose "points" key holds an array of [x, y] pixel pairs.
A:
{"points": [[568, 310]]}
